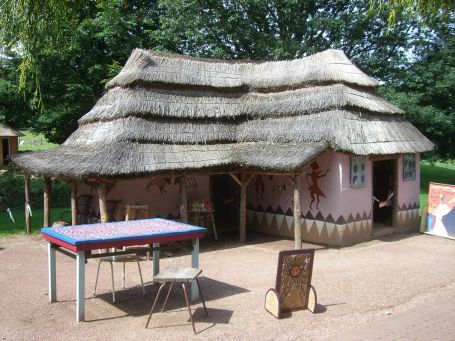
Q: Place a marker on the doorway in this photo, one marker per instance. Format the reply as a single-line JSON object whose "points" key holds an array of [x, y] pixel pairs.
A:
{"points": [[5, 150], [225, 194], [384, 184]]}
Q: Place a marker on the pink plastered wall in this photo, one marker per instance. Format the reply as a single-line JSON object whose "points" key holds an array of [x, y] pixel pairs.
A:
{"points": [[340, 199], [408, 191], [134, 191]]}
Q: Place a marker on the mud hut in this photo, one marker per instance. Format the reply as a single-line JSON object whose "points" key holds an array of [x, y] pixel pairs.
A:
{"points": [[304, 148], [8, 143]]}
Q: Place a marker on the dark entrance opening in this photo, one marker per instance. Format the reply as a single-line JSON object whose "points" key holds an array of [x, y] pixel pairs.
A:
{"points": [[383, 192], [5, 150], [225, 195]]}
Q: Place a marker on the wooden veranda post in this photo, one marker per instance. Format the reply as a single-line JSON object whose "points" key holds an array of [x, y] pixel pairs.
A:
{"points": [[74, 202], [243, 209], [243, 183], [28, 227], [102, 189], [47, 202], [297, 213], [184, 204]]}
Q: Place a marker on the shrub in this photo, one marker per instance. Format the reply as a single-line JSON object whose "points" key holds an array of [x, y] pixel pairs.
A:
{"points": [[12, 193]]}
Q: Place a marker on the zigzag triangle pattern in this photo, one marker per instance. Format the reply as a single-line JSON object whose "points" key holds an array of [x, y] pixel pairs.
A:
{"points": [[356, 227]]}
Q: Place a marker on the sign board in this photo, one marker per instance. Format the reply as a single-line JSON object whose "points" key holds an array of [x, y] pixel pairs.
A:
{"points": [[441, 210]]}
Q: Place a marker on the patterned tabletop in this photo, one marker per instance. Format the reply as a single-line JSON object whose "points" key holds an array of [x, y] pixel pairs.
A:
{"points": [[123, 230]]}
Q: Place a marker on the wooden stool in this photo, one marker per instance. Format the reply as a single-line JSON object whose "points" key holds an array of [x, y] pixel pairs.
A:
{"points": [[131, 211], [177, 275]]}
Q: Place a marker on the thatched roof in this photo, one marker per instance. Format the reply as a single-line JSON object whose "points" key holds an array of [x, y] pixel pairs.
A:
{"points": [[6, 131], [167, 113]]}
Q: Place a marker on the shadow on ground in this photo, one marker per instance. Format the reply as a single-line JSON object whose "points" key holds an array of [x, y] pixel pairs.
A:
{"points": [[131, 301]]}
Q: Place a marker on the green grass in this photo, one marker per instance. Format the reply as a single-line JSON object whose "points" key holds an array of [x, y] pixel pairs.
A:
{"points": [[437, 172], [8, 228], [32, 142]]}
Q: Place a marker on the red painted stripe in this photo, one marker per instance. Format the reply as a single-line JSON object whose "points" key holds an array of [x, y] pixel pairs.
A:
{"points": [[128, 242], [59, 242]]}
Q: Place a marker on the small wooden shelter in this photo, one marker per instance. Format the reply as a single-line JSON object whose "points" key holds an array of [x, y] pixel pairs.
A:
{"points": [[8, 143], [260, 124]]}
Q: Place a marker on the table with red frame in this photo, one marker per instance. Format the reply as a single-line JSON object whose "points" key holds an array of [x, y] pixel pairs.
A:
{"points": [[78, 241]]}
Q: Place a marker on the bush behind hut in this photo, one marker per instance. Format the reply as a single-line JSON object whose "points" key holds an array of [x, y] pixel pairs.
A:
{"points": [[12, 192]]}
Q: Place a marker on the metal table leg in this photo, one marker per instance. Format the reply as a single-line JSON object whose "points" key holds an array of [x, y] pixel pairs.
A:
{"points": [[52, 272], [195, 264], [80, 286], [156, 260]]}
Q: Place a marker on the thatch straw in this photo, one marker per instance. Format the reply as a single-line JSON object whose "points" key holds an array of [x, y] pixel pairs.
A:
{"points": [[7, 131], [151, 67], [120, 102], [167, 114], [138, 159]]}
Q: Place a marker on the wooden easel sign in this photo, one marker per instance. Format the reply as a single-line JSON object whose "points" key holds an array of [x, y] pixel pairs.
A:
{"points": [[293, 289]]}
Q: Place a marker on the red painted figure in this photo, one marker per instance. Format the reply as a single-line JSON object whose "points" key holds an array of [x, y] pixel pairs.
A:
{"points": [[315, 191]]}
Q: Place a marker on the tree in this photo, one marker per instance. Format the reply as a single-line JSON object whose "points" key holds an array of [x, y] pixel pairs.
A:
{"points": [[93, 50], [427, 92], [276, 30], [426, 9], [32, 27]]}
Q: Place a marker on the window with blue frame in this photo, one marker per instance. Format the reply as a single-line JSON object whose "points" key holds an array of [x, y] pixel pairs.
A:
{"points": [[358, 171], [409, 167]]}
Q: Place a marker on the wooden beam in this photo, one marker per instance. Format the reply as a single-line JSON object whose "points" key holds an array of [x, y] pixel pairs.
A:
{"points": [[47, 202], [184, 203], [74, 202], [102, 189], [236, 179], [297, 214], [28, 226], [243, 187]]}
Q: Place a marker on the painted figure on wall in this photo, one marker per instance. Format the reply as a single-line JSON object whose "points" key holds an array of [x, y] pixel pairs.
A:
{"points": [[189, 182], [312, 179], [159, 182]]}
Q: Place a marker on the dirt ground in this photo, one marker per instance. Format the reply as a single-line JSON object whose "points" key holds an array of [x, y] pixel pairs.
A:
{"points": [[356, 286]]}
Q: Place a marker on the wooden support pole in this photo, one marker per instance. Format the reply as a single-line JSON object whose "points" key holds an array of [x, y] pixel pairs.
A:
{"points": [[297, 214], [243, 208], [73, 202], [28, 226], [184, 204], [102, 190], [47, 202], [236, 179]]}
